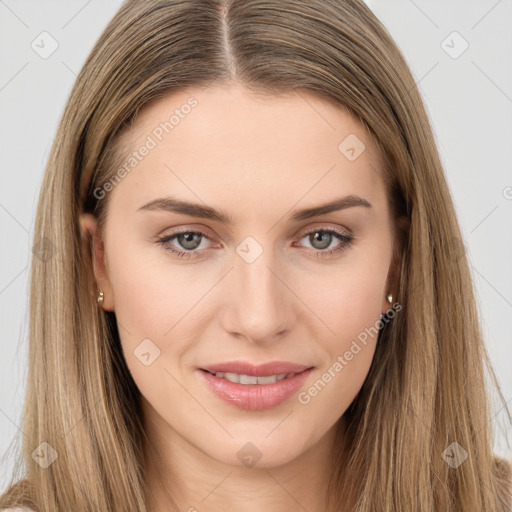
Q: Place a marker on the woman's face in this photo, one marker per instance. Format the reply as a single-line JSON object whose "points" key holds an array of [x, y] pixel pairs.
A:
{"points": [[214, 254]]}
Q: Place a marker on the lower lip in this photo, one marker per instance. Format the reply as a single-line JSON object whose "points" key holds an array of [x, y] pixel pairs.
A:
{"points": [[255, 397]]}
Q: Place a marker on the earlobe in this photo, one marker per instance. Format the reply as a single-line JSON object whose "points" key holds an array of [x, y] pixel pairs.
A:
{"points": [[93, 242]]}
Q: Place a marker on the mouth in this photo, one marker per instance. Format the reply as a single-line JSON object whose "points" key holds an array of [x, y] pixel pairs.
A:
{"points": [[245, 368], [252, 387], [240, 378]]}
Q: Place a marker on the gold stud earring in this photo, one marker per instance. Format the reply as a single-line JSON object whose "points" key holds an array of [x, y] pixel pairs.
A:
{"points": [[100, 296], [390, 298]]}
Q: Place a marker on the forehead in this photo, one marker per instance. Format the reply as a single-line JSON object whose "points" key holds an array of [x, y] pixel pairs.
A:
{"points": [[225, 141]]}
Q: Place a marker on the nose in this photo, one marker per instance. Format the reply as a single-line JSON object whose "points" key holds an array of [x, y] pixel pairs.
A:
{"points": [[260, 305]]}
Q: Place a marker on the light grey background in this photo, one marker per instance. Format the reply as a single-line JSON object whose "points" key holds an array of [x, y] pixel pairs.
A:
{"points": [[469, 100]]}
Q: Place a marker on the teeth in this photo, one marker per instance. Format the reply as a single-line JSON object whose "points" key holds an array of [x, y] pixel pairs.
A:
{"points": [[252, 379], [232, 377], [267, 380]]}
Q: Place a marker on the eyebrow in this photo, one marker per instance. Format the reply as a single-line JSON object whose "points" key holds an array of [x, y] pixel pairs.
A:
{"points": [[173, 205]]}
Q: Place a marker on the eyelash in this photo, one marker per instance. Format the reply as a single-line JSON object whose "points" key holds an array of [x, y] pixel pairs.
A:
{"points": [[346, 240]]}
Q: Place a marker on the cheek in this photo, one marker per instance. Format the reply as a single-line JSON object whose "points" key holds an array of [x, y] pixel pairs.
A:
{"points": [[353, 317], [347, 297], [154, 307], [335, 386], [348, 303], [153, 303], [150, 291]]}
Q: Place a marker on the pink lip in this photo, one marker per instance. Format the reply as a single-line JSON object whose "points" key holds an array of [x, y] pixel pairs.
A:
{"points": [[255, 396]]}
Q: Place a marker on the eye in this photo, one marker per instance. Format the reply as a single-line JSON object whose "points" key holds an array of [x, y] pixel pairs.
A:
{"points": [[189, 241], [321, 240]]}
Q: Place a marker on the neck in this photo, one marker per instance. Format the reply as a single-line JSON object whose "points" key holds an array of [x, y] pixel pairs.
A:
{"points": [[182, 477]]}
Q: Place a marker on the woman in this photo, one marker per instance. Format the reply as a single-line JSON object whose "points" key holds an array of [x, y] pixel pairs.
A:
{"points": [[258, 296]]}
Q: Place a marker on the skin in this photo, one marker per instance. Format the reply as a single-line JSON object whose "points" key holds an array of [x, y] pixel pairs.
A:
{"points": [[259, 158]]}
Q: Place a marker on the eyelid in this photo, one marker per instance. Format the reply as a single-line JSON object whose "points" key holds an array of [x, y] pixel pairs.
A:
{"points": [[319, 226], [184, 229]]}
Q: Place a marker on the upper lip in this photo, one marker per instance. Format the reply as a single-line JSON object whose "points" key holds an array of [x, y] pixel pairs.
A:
{"points": [[260, 370]]}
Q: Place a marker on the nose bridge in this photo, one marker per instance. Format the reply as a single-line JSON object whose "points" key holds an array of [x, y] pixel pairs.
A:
{"points": [[259, 303]]}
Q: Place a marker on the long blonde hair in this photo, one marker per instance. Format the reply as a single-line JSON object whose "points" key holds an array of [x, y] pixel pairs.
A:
{"points": [[427, 386]]}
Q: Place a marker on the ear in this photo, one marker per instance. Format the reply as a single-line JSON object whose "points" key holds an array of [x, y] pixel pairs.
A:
{"points": [[402, 228], [92, 235]]}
